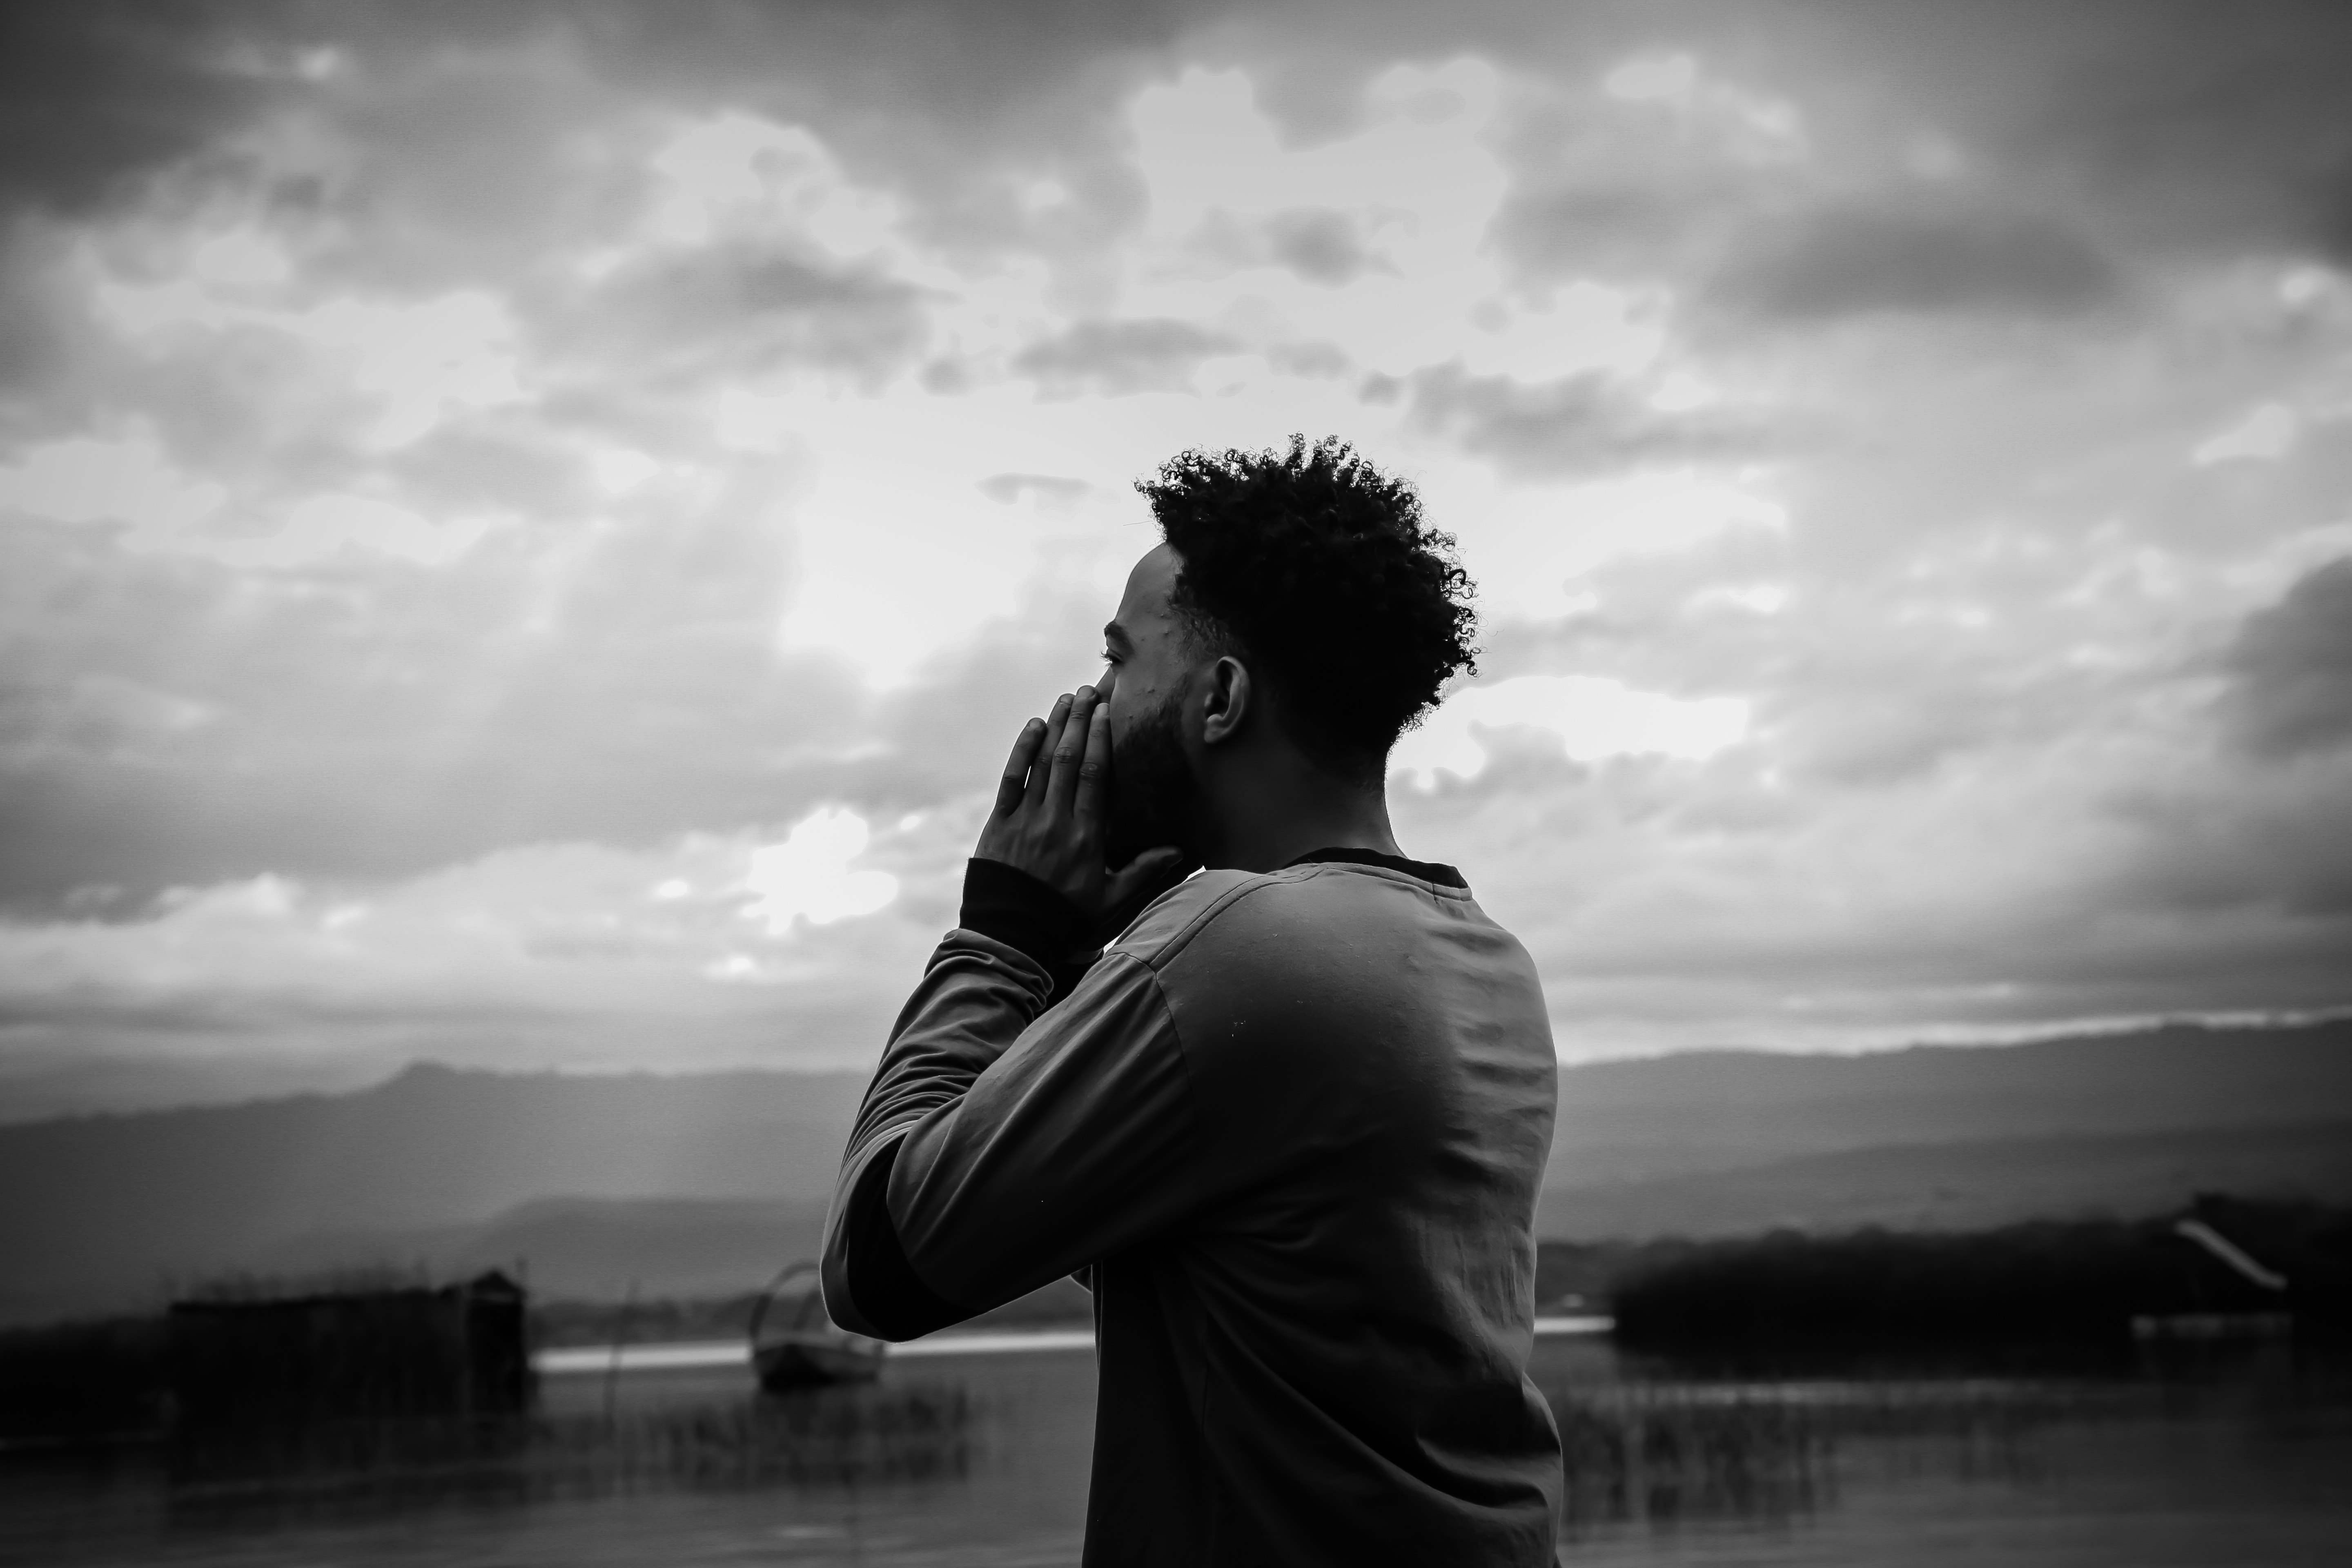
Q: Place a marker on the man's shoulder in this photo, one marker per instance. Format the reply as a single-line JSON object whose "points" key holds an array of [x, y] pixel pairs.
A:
{"points": [[1170, 919], [1330, 961], [1294, 904]]}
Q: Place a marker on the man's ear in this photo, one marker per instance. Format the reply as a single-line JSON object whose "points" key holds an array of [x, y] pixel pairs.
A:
{"points": [[1230, 700]]}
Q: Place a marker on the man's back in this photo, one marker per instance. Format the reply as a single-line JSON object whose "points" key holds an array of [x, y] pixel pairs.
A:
{"points": [[1294, 1125]]}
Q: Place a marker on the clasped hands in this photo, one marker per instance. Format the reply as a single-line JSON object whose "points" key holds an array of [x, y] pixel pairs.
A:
{"points": [[1052, 816]]}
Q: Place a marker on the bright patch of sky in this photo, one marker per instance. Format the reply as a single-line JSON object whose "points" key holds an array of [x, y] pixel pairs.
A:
{"points": [[808, 876]]}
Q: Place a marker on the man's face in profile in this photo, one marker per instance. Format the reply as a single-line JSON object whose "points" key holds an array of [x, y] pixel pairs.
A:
{"points": [[1148, 658]]}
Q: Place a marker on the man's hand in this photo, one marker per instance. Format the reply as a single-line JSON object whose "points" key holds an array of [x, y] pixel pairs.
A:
{"points": [[1053, 809]]}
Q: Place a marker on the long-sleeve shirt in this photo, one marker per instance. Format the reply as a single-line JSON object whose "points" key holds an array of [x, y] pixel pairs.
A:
{"points": [[1290, 1126]]}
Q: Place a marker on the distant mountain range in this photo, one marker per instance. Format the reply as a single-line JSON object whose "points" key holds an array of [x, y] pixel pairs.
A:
{"points": [[1971, 1185], [95, 1209], [705, 1183]]}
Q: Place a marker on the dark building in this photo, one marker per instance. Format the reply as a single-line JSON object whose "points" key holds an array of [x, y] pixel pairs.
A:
{"points": [[459, 1350]]}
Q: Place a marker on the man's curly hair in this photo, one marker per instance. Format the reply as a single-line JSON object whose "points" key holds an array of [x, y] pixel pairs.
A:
{"points": [[1321, 571]]}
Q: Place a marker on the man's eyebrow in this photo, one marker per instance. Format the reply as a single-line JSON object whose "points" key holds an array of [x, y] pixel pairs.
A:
{"points": [[1116, 635]]}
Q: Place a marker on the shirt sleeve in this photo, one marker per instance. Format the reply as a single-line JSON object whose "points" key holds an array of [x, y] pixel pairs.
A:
{"points": [[1003, 1143]]}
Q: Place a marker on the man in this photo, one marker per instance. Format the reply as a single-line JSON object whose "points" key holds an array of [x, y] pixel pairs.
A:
{"points": [[1289, 1124]]}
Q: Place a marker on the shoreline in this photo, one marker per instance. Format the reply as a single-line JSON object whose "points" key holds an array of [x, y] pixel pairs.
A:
{"points": [[571, 1361]]}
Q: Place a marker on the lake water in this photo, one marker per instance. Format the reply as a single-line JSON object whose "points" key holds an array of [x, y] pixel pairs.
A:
{"points": [[2236, 1456]]}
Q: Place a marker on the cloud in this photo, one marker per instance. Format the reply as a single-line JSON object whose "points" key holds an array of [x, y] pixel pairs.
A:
{"points": [[736, 948], [936, 60], [1323, 245], [1978, 158], [744, 308], [2184, 128], [1114, 358], [1929, 262], [1319, 245], [82, 480], [1006, 489], [627, 686], [95, 97], [2261, 854], [2291, 668], [1578, 424], [2264, 434]]}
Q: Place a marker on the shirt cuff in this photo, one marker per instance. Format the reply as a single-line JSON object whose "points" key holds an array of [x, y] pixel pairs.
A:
{"points": [[1015, 908]]}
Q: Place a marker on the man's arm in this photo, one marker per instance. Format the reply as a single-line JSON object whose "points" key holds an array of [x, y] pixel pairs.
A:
{"points": [[958, 1177], [1002, 1145]]}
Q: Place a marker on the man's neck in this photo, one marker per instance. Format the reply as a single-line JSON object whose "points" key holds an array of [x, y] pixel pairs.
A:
{"points": [[1265, 819]]}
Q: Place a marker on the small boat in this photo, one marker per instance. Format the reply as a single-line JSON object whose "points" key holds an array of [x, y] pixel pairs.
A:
{"points": [[795, 1345]]}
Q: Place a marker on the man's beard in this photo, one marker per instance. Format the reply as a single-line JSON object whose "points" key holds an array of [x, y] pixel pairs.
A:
{"points": [[1151, 788]]}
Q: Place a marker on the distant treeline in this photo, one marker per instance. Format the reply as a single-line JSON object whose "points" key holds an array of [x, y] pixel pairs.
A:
{"points": [[2073, 1282], [2043, 1283]]}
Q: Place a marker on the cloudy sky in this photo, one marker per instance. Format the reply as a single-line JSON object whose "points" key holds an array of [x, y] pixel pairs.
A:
{"points": [[525, 532]]}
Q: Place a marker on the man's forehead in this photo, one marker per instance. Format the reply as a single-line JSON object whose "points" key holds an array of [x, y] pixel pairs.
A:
{"points": [[1148, 589]]}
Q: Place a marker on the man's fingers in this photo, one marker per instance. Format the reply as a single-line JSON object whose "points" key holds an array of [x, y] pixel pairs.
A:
{"points": [[1041, 771], [1017, 766], [1093, 793], [1077, 743]]}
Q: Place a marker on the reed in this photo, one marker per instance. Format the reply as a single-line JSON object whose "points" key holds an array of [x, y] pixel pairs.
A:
{"points": [[821, 1439], [1673, 1451], [825, 1436], [1661, 1458]]}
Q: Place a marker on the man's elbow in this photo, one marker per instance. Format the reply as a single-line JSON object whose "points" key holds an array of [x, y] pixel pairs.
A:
{"points": [[870, 1286], [840, 1300]]}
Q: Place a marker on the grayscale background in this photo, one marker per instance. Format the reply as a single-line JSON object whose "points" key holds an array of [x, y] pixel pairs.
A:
{"points": [[527, 530]]}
